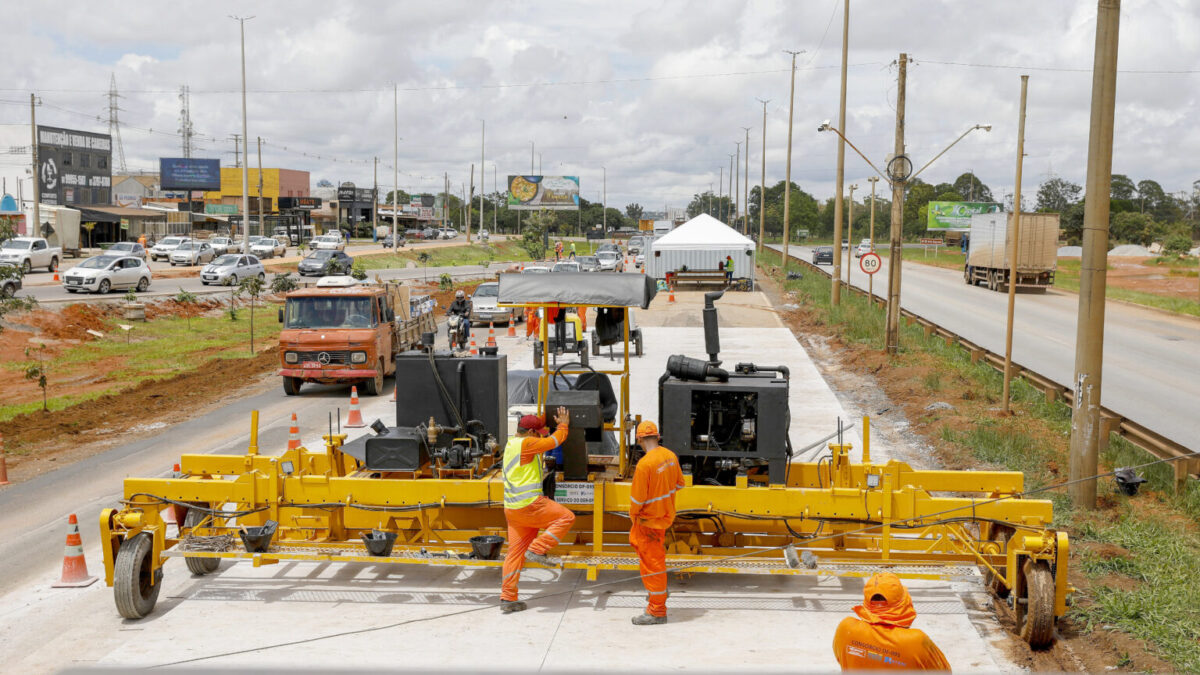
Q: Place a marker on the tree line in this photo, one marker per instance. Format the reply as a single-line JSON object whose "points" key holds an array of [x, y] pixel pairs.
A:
{"points": [[564, 223]]}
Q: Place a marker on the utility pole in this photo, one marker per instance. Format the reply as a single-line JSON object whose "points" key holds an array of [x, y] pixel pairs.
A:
{"points": [[731, 214], [467, 201], [721, 187], [871, 277], [496, 189], [445, 198], [604, 201], [375, 204], [787, 181], [836, 298], [395, 168], [114, 125], [237, 151], [849, 238], [36, 229], [737, 184], [1013, 250], [185, 120], [892, 338], [245, 179], [1087, 430], [762, 187], [746, 186], [262, 223], [482, 152]]}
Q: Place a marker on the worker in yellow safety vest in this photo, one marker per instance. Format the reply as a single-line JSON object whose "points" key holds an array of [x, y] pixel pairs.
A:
{"points": [[526, 509]]}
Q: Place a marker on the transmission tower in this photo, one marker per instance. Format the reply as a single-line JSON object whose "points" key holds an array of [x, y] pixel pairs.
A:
{"points": [[114, 127], [185, 120]]}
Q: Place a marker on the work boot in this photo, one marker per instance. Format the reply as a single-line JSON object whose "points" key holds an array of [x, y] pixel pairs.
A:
{"points": [[541, 559], [648, 620], [510, 606]]}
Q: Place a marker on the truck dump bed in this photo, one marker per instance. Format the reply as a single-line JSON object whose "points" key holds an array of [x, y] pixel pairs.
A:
{"points": [[990, 241]]}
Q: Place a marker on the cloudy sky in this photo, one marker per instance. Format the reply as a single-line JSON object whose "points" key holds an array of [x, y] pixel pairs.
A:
{"points": [[656, 92]]}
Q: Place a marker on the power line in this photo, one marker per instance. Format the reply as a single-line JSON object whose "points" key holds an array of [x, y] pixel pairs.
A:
{"points": [[1052, 69]]}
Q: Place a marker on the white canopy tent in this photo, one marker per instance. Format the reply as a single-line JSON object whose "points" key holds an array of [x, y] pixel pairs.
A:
{"points": [[701, 243]]}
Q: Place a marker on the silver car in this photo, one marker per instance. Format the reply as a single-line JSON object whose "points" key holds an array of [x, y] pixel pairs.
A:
{"points": [[268, 247], [223, 245], [230, 269], [588, 263], [192, 253], [164, 247]]}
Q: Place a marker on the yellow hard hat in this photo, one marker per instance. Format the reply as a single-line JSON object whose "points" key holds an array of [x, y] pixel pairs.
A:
{"points": [[646, 429]]}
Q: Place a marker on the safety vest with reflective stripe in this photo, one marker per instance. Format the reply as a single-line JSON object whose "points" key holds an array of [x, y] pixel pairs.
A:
{"points": [[522, 482]]}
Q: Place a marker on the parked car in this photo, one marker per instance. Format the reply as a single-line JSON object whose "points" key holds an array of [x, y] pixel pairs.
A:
{"points": [[268, 247], [320, 263], [30, 252], [635, 244], [430, 233], [230, 269], [566, 266], [863, 247], [9, 283], [822, 254], [610, 261], [192, 253], [484, 306], [536, 270], [162, 250], [484, 235], [223, 245], [639, 260], [388, 242], [108, 272], [328, 242], [127, 248], [414, 234], [588, 263], [449, 233], [608, 247]]}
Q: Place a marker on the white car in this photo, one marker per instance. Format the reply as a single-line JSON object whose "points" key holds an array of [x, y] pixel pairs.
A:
{"points": [[230, 269], [536, 270], [268, 247], [448, 233], [565, 266], [192, 253], [639, 260], [164, 248], [223, 245], [484, 235], [863, 247], [328, 242], [108, 272]]}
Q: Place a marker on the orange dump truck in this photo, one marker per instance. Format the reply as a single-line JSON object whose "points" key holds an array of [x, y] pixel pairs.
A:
{"points": [[343, 332]]}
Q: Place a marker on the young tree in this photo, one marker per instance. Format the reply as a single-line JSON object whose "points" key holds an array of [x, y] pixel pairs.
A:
{"points": [[424, 258], [282, 283], [532, 239], [253, 287], [36, 370], [188, 300]]}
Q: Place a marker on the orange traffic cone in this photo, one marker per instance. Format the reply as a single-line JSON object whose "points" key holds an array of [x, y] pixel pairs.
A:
{"points": [[491, 341], [512, 326], [3, 463], [394, 389], [671, 295], [56, 276], [294, 434], [474, 349], [74, 570], [354, 418], [171, 517]]}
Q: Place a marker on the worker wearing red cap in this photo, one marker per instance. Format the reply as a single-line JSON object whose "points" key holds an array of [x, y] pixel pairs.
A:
{"points": [[656, 479], [882, 637], [526, 509]]}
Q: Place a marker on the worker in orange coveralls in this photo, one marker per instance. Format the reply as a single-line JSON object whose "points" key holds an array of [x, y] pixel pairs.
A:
{"points": [[656, 479], [526, 509], [881, 638]]}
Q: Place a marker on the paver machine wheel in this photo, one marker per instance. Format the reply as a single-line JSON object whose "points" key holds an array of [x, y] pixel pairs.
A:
{"points": [[135, 587], [1033, 604], [199, 566]]}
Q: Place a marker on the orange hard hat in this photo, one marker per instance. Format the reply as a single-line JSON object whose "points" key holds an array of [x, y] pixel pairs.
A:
{"points": [[646, 429]]}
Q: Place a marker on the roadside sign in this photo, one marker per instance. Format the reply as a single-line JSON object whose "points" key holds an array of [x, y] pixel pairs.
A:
{"points": [[932, 242], [870, 263]]}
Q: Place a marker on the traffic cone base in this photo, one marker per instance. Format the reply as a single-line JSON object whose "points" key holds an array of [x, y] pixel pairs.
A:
{"points": [[474, 349], [74, 569], [512, 324], [354, 418], [3, 463], [491, 341], [293, 434]]}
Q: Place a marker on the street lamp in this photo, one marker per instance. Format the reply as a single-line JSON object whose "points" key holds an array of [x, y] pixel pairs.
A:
{"points": [[245, 180]]}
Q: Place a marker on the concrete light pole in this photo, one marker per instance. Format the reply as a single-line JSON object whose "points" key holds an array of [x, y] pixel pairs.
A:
{"points": [[849, 237], [892, 336], [1087, 431], [245, 180], [482, 154], [871, 277], [737, 183], [721, 189], [787, 181], [1014, 248], [36, 229], [395, 168], [836, 291], [604, 201], [762, 187], [746, 186], [730, 213]]}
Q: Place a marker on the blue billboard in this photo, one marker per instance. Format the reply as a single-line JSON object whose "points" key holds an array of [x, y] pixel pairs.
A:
{"points": [[181, 173]]}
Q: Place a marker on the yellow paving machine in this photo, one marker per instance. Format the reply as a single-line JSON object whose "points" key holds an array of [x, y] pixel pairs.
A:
{"points": [[428, 490]]}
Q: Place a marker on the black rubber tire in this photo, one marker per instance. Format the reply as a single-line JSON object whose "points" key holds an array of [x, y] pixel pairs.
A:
{"points": [[291, 385], [999, 533], [134, 594], [199, 566], [10, 290], [143, 284], [104, 287], [28, 266], [374, 386], [262, 276], [53, 265], [1035, 616]]}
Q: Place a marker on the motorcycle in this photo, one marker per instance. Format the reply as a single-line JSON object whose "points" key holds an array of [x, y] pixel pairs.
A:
{"points": [[456, 334]]}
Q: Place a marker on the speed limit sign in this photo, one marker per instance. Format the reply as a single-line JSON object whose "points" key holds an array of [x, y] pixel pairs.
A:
{"points": [[870, 263]]}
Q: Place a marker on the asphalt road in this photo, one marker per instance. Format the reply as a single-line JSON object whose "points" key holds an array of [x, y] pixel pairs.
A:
{"points": [[1151, 358]]}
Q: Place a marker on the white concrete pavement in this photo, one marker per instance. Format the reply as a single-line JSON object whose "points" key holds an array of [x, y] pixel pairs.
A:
{"points": [[1151, 357]]}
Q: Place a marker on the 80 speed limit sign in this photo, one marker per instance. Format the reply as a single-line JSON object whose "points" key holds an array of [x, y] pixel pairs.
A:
{"points": [[870, 263]]}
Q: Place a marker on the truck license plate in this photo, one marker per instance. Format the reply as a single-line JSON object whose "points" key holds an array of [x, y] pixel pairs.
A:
{"points": [[312, 364]]}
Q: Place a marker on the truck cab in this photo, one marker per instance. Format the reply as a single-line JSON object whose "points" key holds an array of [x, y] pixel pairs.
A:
{"points": [[346, 333]]}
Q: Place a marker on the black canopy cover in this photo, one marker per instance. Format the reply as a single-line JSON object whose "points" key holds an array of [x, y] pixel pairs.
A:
{"points": [[578, 288]]}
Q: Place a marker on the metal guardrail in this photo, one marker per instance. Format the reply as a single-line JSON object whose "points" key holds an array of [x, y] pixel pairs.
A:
{"points": [[1112, 422]]}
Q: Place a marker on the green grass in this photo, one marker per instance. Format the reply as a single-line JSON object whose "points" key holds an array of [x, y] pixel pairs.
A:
{"points": [[937, 257], [1163, 608], [7, 412]]}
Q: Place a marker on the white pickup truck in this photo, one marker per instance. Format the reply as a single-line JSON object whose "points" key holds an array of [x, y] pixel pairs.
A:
{"points": [[30, 252]]}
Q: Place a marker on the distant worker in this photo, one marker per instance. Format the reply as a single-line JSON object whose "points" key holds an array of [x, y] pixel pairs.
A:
{"points": [[729, 269], [572, 250], [558, 249], [462, 307], [881, 639], [656, 479], [526, 509], [142, 240]]}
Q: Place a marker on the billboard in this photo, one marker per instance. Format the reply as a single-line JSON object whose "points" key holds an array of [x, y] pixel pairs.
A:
{"points": [[74, 167], [956, 216], [533, 193], [181, 173]]}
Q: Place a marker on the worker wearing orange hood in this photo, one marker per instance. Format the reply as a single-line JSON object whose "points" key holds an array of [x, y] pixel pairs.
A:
{"points": [[881, 638]]}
